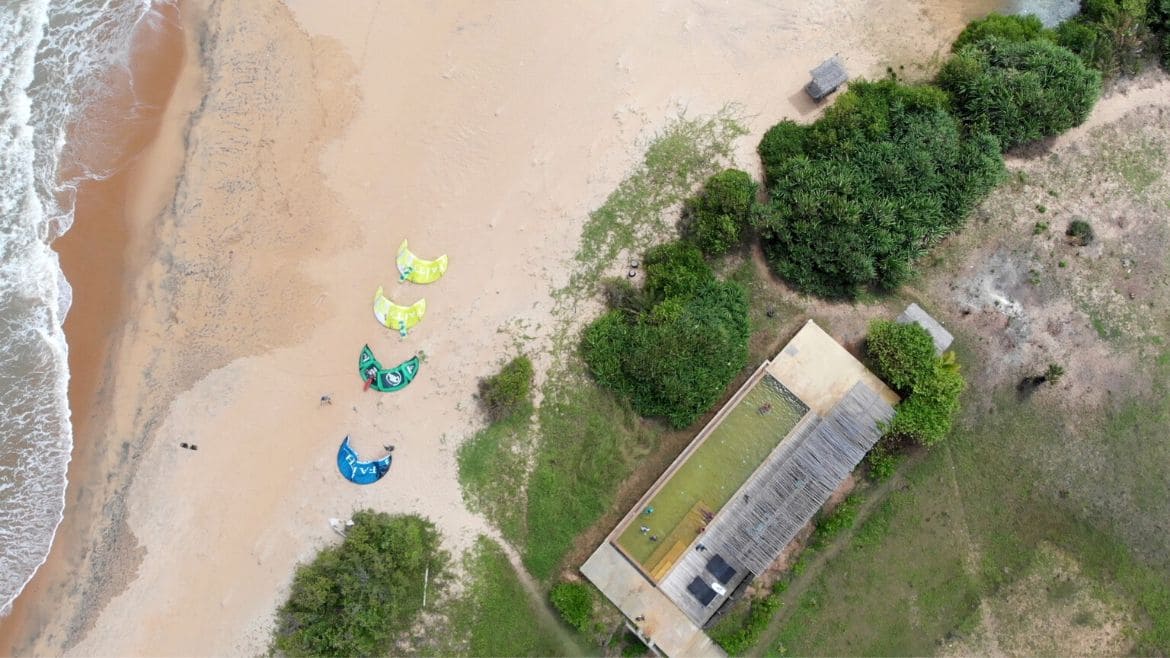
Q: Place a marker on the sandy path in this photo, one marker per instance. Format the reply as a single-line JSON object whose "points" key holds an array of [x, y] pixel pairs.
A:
{"points": [[324, 137]]}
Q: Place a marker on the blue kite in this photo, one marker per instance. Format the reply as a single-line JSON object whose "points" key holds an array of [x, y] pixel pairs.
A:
{"points": [[358, 471]]}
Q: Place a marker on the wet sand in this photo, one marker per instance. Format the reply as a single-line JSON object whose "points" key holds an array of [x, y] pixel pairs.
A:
{"points": [[99, 259], [319, 140]]}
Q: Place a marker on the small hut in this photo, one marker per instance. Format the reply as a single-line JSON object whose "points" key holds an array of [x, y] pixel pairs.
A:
{"points": [[941, 337], [826, 78]]}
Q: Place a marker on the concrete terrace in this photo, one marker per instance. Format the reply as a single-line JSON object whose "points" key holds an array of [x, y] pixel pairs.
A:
{"points": [[846, 404]]}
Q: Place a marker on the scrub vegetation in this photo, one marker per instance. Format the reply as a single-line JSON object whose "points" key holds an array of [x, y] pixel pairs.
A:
{"points": [[355, 597], [857, 196]]}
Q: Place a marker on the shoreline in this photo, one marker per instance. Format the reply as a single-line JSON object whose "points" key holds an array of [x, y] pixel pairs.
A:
{"points": [[99, 258], [310, 158]]}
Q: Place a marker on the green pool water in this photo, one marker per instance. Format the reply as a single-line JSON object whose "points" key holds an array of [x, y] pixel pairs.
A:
{"points": [[715, 471]]}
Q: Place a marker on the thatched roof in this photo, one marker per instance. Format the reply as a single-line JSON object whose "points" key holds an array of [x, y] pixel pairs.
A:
{"points": [[826, 78], [941, 337], [782, 496]]}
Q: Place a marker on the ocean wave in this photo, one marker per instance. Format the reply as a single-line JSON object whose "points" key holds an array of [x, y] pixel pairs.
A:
{"points": [[53, 58]]}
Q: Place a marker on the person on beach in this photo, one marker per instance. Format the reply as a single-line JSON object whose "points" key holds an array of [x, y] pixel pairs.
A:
{"points": [[326, 399], [388, 448]]}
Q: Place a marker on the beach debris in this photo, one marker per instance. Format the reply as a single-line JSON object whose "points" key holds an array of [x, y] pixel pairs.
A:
{"points": [[632, 274], [382, 379], [340, 527], [419, 270], [393, 316], [357, 471]]}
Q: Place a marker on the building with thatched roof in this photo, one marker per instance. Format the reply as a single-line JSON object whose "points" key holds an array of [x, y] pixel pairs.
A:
{"points": [[674, 592], [826, 78]]}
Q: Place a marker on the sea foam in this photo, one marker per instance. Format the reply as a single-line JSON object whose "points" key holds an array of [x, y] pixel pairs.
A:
{"points": [[53, 58]]}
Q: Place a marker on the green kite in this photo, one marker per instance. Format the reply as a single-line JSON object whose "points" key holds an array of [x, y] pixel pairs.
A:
{"points": [[394, 379]]}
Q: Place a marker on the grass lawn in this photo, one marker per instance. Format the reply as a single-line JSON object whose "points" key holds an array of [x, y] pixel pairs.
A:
{"points": [[493, 467], [714, 472], [589, 444], [978, 515], [495, 616]]}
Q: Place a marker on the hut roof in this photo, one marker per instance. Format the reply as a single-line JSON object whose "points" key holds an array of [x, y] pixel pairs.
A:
{"points": [[941, 337], [826, 78], [781, 497]]}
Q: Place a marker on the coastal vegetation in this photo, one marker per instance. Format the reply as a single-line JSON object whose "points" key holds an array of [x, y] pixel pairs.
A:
{"points": [[1013, 28], [717, 218], [356, 596], [495, 616], [861, 193], [574, 600], [903, 355], [1019, 91], [671, 348], [502, 394]]}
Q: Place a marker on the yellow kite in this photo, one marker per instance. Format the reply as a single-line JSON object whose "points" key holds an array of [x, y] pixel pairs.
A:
{"points": [[419, 270], [393, 316]]}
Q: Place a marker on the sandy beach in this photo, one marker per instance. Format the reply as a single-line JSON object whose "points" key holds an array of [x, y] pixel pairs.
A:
{"points": [[300, 145]]}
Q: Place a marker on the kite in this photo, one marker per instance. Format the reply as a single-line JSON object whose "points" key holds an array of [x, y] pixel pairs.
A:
{"points": [[358, 471], [393, 316], [383, 379], [419, 270]]}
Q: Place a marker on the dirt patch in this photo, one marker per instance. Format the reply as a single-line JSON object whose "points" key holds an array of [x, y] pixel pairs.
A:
{"points": [[1034, 296], [1054, 611]]}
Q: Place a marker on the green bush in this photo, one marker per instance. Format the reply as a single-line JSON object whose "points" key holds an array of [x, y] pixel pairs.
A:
{"points": [[1020, 92], [881, 463], [1083, 40], [887, 172], [674, 354], [782, 142], [575, 603], [718, 215], [1009, 28], [834, 523], [926, 415], [930, 385], [503, 393], [354, 598], [674, 269], [1165, 51], [1080, 231], [902, 354], [737, 642], [1122, 34]]}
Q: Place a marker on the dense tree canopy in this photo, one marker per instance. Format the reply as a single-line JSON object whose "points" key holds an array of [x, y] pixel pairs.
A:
{"points": [[885, 173], [1009, 28], [672, 348], [1019, 91], [718, 214], [355, 597]]}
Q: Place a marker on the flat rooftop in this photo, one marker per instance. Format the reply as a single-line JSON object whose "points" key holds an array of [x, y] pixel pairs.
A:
{"points": [[846, 403], [821, 372]]}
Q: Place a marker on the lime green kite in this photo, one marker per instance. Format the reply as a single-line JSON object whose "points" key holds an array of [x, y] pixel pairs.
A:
{"points": [[383, 379], [393, 316], [419, 270]]}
